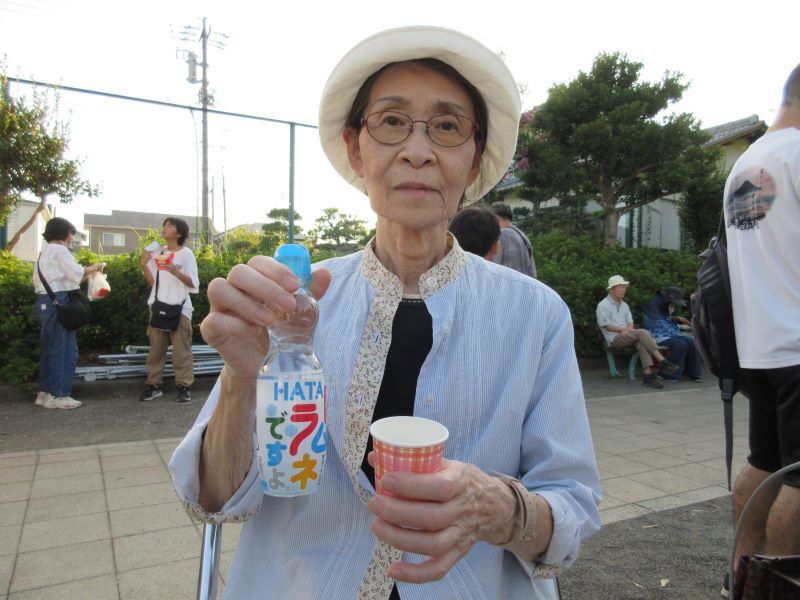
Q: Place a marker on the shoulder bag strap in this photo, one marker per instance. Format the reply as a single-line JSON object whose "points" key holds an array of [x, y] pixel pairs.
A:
{"points": [[155, 297], [525, 241], [46, 285]]}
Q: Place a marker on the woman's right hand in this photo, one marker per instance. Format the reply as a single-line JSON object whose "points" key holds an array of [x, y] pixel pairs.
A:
{"points": [[244, 304]]}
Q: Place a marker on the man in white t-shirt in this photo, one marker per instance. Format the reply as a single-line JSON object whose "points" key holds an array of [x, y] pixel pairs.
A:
{"points": [[615, 321], [173, 270], [762, 214]]}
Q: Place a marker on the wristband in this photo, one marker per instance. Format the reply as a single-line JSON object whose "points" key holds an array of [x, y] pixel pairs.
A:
{"points": [[526, 508]]}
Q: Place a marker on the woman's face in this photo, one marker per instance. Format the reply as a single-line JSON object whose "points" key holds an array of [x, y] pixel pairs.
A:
{"points": [[415, 183]]}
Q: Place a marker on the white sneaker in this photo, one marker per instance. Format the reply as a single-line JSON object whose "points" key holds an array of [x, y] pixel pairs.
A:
{"points": [[62, 402], [42, 397]]}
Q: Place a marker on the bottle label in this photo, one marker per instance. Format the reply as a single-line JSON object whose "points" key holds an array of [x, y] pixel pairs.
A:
{"points": [[290, 427]]}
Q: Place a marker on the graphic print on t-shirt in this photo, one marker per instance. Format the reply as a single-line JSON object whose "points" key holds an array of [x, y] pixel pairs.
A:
{"points": [[750, 197]]}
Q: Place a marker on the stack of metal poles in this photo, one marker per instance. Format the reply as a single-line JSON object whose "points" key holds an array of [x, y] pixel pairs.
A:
{"points": [[131, 363]]}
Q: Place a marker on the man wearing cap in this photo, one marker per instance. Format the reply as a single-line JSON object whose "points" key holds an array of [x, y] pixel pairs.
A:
{"points": [[666, 329], [615, 320], [516, 251]]}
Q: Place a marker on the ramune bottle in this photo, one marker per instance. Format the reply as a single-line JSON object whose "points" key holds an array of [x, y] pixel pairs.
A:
{"points": [[290, 393]]}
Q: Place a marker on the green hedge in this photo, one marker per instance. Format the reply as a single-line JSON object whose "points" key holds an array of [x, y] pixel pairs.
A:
{"points": [[576, 267]]}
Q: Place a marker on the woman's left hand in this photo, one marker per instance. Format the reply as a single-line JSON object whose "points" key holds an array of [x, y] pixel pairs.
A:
{"points": [[441, 515]]}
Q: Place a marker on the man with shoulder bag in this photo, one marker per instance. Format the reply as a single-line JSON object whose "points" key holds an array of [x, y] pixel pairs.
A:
{"points": [[171, 273]]}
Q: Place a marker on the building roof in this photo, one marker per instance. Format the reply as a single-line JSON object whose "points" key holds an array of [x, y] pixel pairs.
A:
{"points": [[138, 220], [750, 127]]}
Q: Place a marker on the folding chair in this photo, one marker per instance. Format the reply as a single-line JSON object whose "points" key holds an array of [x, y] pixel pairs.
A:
{"points": [[625, 352]]}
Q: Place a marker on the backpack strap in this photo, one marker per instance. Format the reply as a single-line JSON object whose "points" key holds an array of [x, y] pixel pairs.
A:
{"points": [[726, 385]]}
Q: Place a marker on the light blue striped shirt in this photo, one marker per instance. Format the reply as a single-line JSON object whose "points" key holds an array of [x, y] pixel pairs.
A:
{"points": [[501, 376]]}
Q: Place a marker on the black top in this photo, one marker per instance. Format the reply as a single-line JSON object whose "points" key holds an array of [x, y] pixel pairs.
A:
{"points": [[412, 339]]}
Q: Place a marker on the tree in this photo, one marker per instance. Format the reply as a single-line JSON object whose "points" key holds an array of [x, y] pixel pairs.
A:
{"points": [[33, 147], [601, 137], [699, 210], [336, 229], [276, 232]]}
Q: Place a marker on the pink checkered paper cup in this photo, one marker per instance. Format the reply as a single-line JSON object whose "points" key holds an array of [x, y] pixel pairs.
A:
{"points": [[406, 444]]}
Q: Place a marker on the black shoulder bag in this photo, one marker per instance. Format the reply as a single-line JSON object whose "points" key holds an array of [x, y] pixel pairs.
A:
{"points": [[72, 314], [165, 317]]}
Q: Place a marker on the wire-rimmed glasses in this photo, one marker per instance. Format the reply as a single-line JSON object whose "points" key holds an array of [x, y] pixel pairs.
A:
{"points": [[447, 129]]}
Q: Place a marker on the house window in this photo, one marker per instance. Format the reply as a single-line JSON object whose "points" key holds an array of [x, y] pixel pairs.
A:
{"points": [[113, 239]]}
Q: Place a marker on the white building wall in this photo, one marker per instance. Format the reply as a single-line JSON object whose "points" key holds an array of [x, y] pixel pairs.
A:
{"points": [[29, 245]]}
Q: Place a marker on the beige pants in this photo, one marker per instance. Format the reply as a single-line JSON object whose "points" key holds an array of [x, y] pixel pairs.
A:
{"points": [[181, 340], [645, 345]]}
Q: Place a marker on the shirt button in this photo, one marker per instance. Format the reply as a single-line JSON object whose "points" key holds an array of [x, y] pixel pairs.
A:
{"points": [[431, 281], [428, 400]]}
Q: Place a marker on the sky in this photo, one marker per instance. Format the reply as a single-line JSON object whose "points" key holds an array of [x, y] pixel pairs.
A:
{"points": [[276, 59]]}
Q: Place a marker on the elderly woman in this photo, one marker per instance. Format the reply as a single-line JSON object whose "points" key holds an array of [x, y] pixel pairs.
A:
{"points": [[422, 119], [59, 353]]}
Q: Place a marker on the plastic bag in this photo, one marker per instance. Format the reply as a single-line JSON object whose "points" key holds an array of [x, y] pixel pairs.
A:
{"points": [[98, 286]]}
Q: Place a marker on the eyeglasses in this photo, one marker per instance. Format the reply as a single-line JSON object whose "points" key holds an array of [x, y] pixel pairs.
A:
{"points": [[447, 130]]}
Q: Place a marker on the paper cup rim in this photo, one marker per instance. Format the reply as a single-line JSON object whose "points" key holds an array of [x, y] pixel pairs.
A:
{"points": [[435, 427]]}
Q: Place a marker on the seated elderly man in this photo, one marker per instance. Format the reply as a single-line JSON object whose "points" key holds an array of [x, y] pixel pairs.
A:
{"points": [[615, 320], [666, 329]]}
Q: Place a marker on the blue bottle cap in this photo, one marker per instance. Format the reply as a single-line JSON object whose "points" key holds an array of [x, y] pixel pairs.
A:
{"points": [[297, 258]]}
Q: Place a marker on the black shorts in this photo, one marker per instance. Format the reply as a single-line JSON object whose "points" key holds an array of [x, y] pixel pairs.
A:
{"points": [[774, 419]]}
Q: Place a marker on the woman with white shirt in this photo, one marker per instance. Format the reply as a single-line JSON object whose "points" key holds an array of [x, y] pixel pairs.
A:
{"points": [[59, 348]]}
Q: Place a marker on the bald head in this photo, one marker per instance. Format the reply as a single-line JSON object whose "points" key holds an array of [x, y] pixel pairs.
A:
{"points": [[791, 91]]}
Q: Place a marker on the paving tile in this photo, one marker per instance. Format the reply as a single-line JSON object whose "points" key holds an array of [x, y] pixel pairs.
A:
{"points": [[642, 428], [66, 531], [60, 486], [621, 513], [21, 454], [132, 461], [615, 447], [156, 547], [657, 459], [668, 482], [610, 502], [7, 462], [131, 521], [607, 433], [107, 450], [180, 578], [94, 588], [70, 505], [12, 513], [689, 454], [141, 495], [646, 442], [9, 535], [139, 476], [60, 565], [17, 474], [628, 490], [10, 492], [622, 465], [6, 568], [700, 473], [684, 498], [67, 454], [84, 466]]}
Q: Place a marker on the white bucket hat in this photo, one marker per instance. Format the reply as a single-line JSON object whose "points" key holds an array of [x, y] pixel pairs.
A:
{"points": [[475, 62], [616, 280]]}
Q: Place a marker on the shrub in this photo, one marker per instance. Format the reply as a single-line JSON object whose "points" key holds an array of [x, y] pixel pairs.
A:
{"points": [[578, 268], [19, 340]]}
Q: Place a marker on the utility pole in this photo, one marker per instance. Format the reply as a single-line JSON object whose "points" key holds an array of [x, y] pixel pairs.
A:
{"points": [[206, 235], [206, 100]]}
